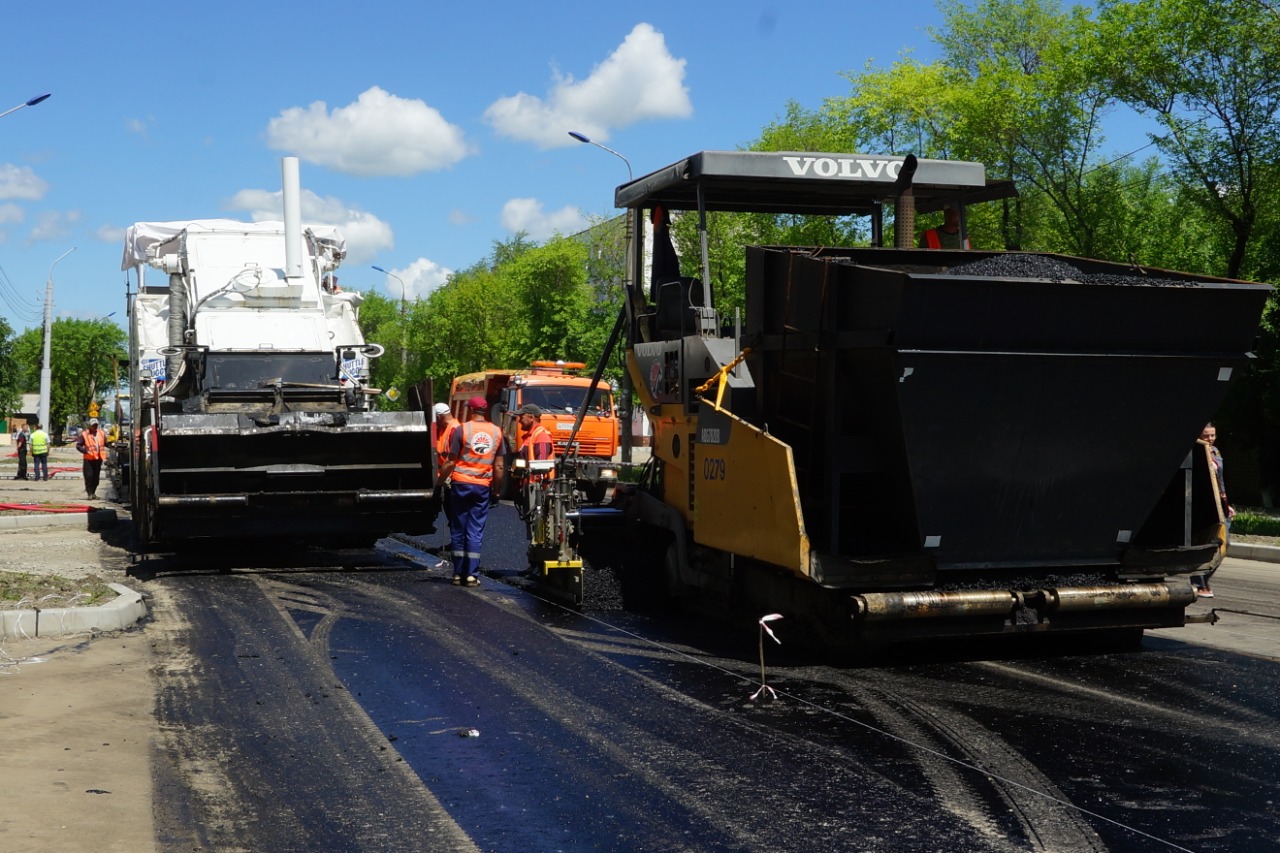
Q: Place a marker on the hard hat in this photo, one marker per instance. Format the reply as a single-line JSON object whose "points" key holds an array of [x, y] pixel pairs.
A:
{"points": [[478, 404], [441, 409], [93, 421]]}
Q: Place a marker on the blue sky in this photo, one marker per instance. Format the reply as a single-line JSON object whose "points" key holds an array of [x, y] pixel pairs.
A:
{"points": [[426, 132]]}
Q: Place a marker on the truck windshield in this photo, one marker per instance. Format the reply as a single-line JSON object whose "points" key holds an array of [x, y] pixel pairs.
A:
{"points": [[567, 399]]}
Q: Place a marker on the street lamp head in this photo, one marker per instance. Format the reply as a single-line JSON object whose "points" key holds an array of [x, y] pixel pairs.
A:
{"points": [[379, 269], [31, 103], [581, 137]]}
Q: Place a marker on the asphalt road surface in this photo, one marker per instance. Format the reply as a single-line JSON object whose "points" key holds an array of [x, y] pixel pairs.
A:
{"points": [[360, 702]]}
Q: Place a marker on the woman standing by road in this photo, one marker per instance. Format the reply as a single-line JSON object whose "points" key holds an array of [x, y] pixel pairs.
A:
{"points": [[1209, 436]]}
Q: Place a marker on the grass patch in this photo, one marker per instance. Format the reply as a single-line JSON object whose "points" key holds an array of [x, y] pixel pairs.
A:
{"points": [[22, 590], [1253, 523]]}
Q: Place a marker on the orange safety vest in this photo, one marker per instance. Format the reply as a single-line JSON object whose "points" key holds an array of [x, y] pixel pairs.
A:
{"points": [[932, 240], [530, 442], [95, 444], [481, 441], [442, 444]]}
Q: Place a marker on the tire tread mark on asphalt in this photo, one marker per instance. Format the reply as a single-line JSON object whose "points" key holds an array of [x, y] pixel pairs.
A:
{"points": [[1048, 821], [1045, 824], [1227, 718], [194, 797], [1046, 814], [265, 768], [674, 771], [442, 825], [624, 742]]}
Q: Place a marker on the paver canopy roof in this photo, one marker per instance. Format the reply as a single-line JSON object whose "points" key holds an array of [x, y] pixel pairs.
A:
{"points": [[806, 182]]}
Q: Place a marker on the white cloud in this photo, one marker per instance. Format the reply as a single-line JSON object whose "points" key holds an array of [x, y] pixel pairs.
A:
{"points": [[380, 134], [140, 126], [457, 216], [21, 182], [366, 234], [53, 225], [639, 81], [11, 213], [527, 215], [420, 278], [110, 234]]}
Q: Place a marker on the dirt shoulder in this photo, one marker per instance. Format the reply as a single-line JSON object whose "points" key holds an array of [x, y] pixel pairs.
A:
{"points": [[77, 714]]}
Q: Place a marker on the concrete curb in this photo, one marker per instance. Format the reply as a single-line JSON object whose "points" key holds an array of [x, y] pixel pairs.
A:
{"points": [[93, 520], [126, 610], [1245, 551]]}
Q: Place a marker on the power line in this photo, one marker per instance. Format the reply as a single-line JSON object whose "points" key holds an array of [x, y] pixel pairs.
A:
{"points": [[26, 310], [7, 286]]}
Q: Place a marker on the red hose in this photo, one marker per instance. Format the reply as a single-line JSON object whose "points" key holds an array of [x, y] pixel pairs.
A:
{"points": [[46, 507]]}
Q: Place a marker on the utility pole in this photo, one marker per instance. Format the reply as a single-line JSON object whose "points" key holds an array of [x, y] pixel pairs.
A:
{"points": [[624, 438], [46, 370]]}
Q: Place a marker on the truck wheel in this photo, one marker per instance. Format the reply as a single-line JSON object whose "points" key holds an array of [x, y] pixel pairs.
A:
{"points": [[141, 525]]}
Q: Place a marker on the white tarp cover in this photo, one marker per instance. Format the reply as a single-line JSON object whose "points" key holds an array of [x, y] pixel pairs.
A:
{"points": [[142, 235], [151, 331]]}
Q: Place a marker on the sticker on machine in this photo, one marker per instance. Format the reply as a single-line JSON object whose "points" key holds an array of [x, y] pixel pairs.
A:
{"points": [[713, 426]]}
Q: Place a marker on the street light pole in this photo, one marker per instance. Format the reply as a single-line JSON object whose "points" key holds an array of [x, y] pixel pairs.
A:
{"points": [[46, 371], [404, 331], [582, 137], [31, 103], [624, 440]]}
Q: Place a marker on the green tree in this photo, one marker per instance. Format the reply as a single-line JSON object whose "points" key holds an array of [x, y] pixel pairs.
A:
{"points": [[10, 389], [551, 285], [1014, 89], [81, 365], [1208, 71], [473, 322], [381, 324]]}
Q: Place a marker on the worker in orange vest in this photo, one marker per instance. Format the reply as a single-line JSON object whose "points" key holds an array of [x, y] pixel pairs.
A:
{"points": [[474, 471], [534, 441], [947, 236], [92, 444], [446, 423]]}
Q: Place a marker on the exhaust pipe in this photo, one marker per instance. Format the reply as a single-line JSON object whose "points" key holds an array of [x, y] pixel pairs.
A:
{"points": [[292, 191], [884, 606], [904, 205], [887, 606]]}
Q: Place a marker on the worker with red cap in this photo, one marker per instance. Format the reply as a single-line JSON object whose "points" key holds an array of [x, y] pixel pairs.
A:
{"points": [[475, 471]]}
